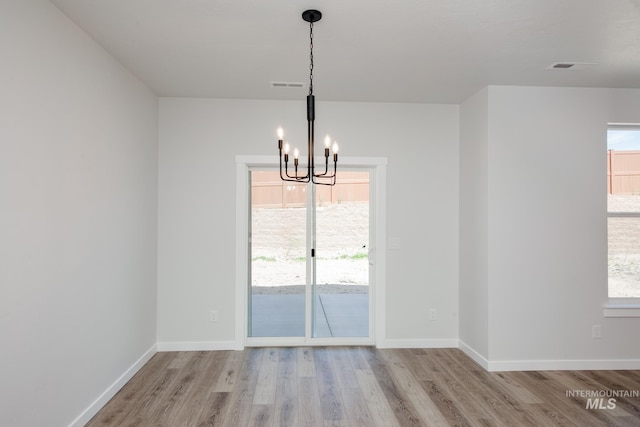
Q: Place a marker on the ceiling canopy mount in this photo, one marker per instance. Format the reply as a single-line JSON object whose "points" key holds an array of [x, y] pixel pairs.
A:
{"points": [[311, 15]]}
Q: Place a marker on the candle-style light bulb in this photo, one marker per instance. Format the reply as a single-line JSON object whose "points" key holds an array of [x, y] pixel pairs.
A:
{"points": [[327, 144], [335, 147], [286, 152], [280, 133], [296, 153]]}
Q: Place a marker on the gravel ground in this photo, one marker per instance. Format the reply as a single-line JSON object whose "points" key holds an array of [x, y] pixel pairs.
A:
{"points": [[624, 248]]}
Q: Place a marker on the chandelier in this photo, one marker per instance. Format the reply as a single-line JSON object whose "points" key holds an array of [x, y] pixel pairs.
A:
{"points": [[322, 178]]}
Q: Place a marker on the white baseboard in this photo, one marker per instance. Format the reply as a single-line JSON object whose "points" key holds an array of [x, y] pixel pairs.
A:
{"points": [[563, 365], [197, 345], [102, 400], [418, 343], [477, 357], [549, 365]]}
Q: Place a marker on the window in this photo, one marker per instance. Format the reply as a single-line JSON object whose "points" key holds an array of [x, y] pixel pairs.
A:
{"points": [[623, 207]]}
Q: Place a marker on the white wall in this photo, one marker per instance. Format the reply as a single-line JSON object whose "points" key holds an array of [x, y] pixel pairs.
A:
{"points": [[547, 238], [199, 140], [474, 210], [78, 192]]}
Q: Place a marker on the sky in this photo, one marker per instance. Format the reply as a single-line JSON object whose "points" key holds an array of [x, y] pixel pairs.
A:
{"points": [[621, 140]]}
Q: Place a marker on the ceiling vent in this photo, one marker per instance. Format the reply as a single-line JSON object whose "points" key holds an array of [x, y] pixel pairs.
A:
{"points": [[571, 65], [292, 85]]}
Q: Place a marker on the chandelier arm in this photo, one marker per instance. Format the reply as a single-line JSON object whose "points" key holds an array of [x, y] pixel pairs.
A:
{"points": [[280, 156], [285, 163], [326, 169], [317, 178], [332, 179], [302, 179], [295, 177], [287, 177]]}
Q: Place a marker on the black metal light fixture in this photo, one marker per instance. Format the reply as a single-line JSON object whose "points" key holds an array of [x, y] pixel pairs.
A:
{"points": [[323, 178]]}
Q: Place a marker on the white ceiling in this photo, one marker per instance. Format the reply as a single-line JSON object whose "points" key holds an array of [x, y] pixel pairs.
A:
{"points": [[435, 51]]}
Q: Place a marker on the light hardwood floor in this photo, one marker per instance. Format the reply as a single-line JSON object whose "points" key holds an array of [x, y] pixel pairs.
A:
{"points": [[360, 386]]}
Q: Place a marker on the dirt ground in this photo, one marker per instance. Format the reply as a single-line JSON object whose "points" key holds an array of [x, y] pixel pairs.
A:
{"points": [[278, 249]]}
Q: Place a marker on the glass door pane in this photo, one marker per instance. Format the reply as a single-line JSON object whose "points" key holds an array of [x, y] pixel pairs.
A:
{"points": [[341, 274], [278, 256]]}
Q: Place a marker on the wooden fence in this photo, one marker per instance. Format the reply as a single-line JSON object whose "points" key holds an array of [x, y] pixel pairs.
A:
{"points": [[269, 191], [623, 172]]}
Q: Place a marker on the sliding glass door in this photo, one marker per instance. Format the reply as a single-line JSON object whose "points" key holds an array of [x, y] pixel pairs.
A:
{"points": [[278, 245], [309, 258], [341, 282]]}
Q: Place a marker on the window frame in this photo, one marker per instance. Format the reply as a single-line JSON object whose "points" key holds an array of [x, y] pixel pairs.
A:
{"points": [[620, 306]]}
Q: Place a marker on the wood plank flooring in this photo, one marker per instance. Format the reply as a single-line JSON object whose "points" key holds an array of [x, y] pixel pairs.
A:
{"points": [[361, 386]]}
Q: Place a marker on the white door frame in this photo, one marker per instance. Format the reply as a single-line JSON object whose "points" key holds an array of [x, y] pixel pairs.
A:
{"points": [[378, 167]]}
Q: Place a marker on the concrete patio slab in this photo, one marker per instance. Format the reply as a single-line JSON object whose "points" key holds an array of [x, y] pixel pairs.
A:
{"points": [[337, 315]]}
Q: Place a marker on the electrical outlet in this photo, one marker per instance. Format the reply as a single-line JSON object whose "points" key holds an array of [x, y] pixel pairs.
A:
{"points": [[433, 315], [596, 332], [213, 316]]}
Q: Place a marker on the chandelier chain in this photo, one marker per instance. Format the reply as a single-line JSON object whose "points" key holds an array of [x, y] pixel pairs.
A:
{"points": [[311, 58]]}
